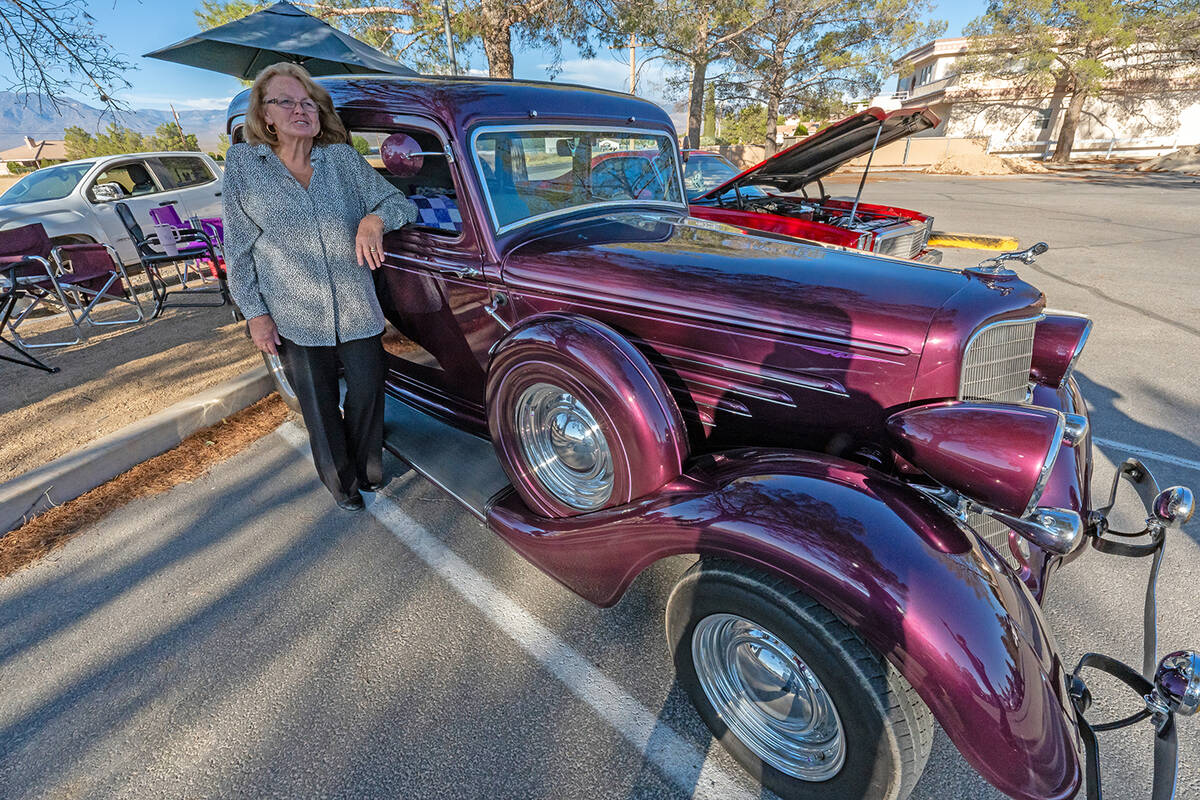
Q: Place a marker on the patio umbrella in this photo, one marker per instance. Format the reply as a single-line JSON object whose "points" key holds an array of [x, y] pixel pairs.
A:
{"points": [[242, 48]]}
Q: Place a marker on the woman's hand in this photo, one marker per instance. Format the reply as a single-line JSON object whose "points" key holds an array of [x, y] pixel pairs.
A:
{"points": [[369, 242], [264, 333]]}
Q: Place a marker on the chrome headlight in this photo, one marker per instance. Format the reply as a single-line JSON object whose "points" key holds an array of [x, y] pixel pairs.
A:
{"points": [[1058, 341], [999, 455]]}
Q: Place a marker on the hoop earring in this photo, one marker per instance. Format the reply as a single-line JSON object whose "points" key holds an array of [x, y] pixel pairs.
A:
{"points": [[270, 129]]}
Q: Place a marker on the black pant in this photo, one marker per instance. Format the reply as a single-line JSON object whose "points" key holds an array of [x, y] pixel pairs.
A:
{"points": [[348, 451]]}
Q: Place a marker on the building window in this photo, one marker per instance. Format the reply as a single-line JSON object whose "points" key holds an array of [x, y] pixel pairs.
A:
{"points": [[924, 75], [1042, 120]]}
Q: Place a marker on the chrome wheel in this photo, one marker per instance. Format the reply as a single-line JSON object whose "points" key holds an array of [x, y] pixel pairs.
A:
{"points": [[275, 365], [563, 446], [768, 697]]}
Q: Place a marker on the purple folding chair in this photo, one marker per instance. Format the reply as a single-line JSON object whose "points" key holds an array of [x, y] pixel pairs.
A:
{"points": [[168, 215], [93, 273], [25, 254], [152, 258]]}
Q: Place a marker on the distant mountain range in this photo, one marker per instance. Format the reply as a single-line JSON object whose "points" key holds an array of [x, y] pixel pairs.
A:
{"points": [[21, 116]]}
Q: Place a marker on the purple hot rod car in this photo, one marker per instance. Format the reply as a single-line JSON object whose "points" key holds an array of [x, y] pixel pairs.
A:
{"points": [[879, 462]]}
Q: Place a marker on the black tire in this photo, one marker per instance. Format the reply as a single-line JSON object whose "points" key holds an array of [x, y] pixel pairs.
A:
{"points": [[887, 729], [286, 393]]}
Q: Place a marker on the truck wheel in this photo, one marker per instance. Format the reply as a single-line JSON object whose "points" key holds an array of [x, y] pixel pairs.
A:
{"points": [[580, 420], [286, 393], [792, 693]]}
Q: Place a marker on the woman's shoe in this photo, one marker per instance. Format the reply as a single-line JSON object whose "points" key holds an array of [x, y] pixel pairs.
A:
{"points": [[372, 487], [352, 503]]}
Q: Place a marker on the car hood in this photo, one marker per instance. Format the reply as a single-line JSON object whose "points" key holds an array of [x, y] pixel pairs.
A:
{"points": [[683, 267], [818, 155]]}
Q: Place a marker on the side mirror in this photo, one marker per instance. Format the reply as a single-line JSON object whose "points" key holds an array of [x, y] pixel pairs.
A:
{"points": [[563, 148], [402, 155], [107, 192]]}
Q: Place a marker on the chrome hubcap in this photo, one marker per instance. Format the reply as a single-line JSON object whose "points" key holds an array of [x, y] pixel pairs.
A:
{"points": [[276, 366], [564, 447], [768, 697]]}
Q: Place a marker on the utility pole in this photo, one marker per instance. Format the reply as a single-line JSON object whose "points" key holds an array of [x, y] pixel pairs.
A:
{"points": [[178, 125], [449, 38]]}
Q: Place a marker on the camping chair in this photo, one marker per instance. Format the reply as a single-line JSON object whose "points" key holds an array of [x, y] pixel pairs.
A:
{"points": [[95, 271], [25, 255], [196, 244], [11, 292], [168, 215]]}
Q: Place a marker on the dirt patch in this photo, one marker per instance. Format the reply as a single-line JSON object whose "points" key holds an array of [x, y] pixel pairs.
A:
{"points": [[194, 456], [119, 375], [1185, 159], [7, 181], [983, 164]]}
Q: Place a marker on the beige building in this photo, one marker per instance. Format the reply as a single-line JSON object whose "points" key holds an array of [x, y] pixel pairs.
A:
{"points": [[32, 153], [1028, 122]]}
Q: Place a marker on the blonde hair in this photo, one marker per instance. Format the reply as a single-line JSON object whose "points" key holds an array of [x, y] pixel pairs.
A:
{"points": [[332, 130]]}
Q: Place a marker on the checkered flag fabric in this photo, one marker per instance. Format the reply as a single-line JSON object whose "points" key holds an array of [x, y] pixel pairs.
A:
{"points": [[439, 211]]}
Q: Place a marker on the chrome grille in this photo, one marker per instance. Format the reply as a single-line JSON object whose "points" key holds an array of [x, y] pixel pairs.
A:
{"points": [[994, 532], [905, 240], [996, 364]]}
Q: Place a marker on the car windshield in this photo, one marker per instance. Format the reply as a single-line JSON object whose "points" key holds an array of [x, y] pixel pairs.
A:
{"points": [[48, 183], [704, 172], [532, 173]]}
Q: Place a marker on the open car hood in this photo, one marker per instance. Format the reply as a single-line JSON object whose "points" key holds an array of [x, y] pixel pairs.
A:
{"points": [[816, 156]]}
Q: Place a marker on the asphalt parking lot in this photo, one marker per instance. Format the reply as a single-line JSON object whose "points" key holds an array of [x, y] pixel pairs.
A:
{"points": [[241, 637]]}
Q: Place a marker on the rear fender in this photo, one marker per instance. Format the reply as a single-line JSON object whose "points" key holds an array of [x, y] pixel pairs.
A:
{"points": [[953, 619]]}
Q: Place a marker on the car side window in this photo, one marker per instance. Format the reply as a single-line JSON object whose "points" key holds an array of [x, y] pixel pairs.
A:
{"points": [[183, 171], [133, 177], [431, 190]]}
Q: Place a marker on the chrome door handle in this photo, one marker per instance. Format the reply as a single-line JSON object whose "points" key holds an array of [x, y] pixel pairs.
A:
{"points": [[452, 272], [459, 272]]}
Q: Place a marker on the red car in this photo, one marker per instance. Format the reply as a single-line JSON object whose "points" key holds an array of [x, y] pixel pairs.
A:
{"points": [[776, 195]]}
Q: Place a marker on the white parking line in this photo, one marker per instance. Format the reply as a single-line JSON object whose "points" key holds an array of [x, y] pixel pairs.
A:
{"points": [[1153, 455], [678, 760]]}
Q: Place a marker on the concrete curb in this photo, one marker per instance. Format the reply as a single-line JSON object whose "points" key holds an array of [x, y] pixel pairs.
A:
{"points": [[81, 471], [973, 241]]}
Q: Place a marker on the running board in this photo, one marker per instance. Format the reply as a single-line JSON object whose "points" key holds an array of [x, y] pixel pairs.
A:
{"points": [[460, 464]]}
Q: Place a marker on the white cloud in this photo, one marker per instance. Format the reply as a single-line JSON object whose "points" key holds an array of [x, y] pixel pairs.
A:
{"points": [[180, 103]]}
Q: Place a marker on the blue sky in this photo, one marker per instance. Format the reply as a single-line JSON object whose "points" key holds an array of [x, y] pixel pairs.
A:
{"points": [[139, 26]]}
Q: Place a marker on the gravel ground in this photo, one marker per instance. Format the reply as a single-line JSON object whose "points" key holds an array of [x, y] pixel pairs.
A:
{"points": [[120, 374]]}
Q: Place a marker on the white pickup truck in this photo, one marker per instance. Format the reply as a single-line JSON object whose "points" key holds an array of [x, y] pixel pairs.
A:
{"points": [[73, 201]]}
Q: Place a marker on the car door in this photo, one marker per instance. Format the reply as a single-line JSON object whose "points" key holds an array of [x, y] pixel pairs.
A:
{"points": [[192, 183], [141, 190], [432, 288]]}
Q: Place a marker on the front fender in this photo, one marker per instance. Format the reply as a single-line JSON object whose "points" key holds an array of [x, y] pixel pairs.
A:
{"points": [[953, 619]]}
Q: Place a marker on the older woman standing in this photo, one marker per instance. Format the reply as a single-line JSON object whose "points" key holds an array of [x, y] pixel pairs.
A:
{"points": [[304, 222]]}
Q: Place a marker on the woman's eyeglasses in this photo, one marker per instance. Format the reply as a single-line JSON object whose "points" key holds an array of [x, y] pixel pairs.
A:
{"points": [[288, 104]]}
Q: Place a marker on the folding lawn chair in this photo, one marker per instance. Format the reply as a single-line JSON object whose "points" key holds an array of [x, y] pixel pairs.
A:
{"points": [[167, 215], [25, 253], [193, 244], [93, 273], [11, 292]]}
